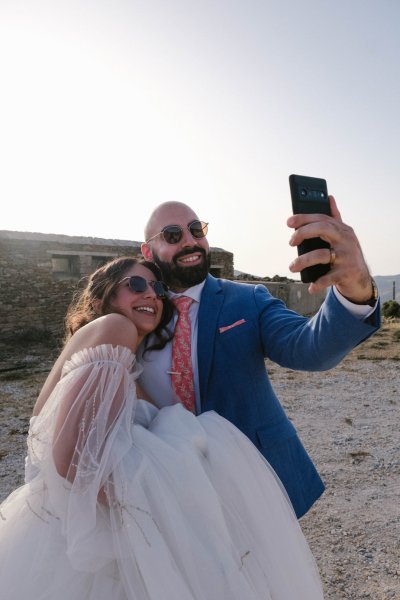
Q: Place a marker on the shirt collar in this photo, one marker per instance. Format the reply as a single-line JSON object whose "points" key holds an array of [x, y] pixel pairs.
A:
{"points": [[192, 292]]}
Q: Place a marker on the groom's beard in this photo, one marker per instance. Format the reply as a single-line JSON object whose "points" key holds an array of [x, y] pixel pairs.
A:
{"points": [[178, 277]]}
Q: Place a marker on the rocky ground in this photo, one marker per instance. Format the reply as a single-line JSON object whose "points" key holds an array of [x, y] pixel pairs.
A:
{"points": [[348, 418]]}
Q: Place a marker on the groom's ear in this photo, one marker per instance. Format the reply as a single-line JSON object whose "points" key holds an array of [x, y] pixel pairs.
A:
{"points": [[146, 251]]}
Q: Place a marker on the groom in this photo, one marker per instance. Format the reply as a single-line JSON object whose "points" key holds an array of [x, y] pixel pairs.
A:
{"points": [[234, 327]]}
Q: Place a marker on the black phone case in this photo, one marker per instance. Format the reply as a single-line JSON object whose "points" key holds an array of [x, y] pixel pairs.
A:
{"points": [[310, 195]]}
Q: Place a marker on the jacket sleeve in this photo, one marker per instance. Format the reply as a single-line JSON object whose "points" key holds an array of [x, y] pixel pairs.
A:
{"points": [[315, 343]]}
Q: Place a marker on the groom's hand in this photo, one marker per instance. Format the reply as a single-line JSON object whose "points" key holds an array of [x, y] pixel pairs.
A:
{"points": [[349, 271]]}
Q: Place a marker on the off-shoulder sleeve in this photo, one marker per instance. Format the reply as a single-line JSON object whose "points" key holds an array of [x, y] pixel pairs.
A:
{"points": [[102, 354], [81, 435]]}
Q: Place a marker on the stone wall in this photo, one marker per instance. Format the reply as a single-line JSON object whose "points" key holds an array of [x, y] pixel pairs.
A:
{"points": [[294, 294], [39, 274]]}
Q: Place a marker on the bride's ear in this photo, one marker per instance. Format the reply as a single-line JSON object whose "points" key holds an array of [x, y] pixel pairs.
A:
{"points": [[96, 305]]}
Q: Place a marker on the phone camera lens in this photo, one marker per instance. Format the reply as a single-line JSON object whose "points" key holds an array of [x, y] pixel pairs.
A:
{"points": [[303, 193]]}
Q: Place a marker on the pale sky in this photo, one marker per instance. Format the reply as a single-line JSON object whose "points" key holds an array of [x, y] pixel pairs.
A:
{"points": [[108, 108]]}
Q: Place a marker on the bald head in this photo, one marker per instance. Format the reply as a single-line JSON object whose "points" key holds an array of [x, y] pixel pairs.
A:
{"points": [[168, 213]]}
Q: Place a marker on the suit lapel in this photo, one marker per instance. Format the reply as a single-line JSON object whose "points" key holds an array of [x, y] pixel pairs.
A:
{"points": [[210, 305]]}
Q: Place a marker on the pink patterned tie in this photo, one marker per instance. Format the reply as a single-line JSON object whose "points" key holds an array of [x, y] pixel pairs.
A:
{"points": [[181, 371]]}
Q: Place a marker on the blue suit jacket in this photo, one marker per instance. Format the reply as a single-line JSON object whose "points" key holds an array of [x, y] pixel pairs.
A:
{"points": [[234, 381]]}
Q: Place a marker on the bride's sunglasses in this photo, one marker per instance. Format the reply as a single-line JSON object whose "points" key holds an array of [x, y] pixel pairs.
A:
{"points": [[173, 234], [139, 285]]}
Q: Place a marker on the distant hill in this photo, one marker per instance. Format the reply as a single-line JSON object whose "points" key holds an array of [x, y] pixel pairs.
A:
{"points": [[385, 286]]}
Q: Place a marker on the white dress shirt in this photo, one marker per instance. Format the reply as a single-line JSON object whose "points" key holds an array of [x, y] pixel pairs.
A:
{"points": [[156, 377]]}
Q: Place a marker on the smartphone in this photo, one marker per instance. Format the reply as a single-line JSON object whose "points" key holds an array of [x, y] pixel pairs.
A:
{"points": [[310, 195]]}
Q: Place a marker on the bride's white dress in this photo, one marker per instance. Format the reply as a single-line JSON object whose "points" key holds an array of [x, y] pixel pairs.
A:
{"points": [[156, 504]]}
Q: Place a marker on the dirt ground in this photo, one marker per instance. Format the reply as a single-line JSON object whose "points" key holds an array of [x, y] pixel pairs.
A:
{"points": [[348, 419]]}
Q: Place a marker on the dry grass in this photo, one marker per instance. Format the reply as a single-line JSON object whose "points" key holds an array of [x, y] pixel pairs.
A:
{"points": [[383, 345]]}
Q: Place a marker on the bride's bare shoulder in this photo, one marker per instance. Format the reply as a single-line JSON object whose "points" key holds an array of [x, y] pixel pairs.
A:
{"points": [[114, 329]]}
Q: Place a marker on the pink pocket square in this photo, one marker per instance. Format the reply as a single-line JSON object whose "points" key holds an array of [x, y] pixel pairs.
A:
{"points": [[235, 324]]}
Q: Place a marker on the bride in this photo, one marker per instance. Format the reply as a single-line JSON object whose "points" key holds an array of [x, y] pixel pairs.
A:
{"points": [[126, 501]]}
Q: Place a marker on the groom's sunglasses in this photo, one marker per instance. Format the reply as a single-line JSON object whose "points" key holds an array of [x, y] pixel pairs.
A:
{"points": [[173, 234], [139, 285]]}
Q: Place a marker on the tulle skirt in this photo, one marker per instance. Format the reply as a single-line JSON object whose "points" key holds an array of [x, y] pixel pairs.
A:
{"points": [[195, 513]]}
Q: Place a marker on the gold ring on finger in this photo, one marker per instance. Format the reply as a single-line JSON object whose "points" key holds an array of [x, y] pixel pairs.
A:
{"points": [[333, 257]]}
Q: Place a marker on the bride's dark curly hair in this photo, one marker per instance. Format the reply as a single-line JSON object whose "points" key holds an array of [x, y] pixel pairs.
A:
{"points": [[94, 300]]}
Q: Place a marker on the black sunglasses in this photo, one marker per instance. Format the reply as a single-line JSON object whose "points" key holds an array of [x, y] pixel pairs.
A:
{"points": [[172, 234], [139, 284]]}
